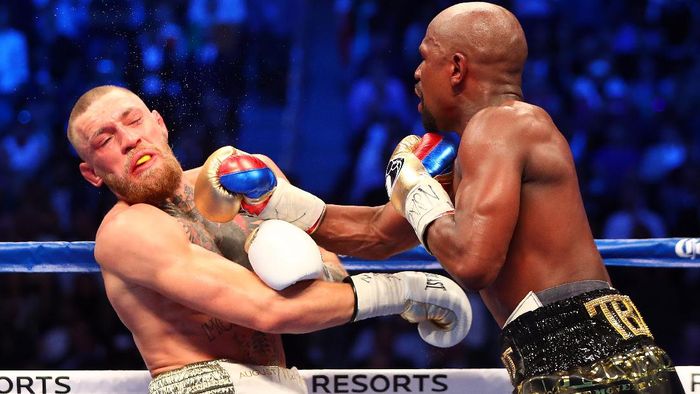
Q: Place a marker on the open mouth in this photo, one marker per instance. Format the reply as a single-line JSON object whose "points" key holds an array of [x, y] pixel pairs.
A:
{"points": [[143, 159], [141, 162]]}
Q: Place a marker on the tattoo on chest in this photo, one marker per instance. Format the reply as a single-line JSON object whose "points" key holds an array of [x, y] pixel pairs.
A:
{"points": [[256, 345], [226, 239], [260, 343]]}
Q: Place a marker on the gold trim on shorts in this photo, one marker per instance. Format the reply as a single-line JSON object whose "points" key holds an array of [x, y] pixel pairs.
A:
{"points": [[644, 370]]}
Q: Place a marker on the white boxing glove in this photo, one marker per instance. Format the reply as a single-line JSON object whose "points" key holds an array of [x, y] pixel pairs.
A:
{"points": [[289, 203], [436, 303], [282, 254]]}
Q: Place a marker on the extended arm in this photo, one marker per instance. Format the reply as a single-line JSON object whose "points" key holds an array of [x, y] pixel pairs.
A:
{"points": [[231, 179], [366, 232], [144, 246], [379, 232], [147, 247]]}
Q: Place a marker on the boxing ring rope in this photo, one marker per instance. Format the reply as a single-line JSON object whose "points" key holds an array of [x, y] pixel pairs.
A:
{"points": [[77, 257]]}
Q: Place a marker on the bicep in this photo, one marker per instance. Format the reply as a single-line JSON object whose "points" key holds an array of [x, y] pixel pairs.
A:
{"points": [[487, 199]]}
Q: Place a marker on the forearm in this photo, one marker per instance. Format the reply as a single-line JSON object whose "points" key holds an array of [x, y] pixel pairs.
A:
{"points": [[366, 232], [308, 306]]}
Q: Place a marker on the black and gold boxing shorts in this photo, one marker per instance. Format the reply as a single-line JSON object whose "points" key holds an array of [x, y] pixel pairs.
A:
{"points": [[595, 342]]}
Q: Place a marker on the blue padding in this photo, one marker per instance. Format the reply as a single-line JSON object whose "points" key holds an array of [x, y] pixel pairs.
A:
{"points": [[47, 257], [78, 256], [253, 182]]}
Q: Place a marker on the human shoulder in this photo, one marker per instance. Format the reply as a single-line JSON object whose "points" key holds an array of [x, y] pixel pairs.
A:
{"points": [[511, 120], [128, 230], [190, 175], [123, 214]]}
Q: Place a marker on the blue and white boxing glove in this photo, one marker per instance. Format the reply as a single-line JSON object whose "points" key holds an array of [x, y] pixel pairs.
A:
{"points": [[232, 180], [281, 254]]}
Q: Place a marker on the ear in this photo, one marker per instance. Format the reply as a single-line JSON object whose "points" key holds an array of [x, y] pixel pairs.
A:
{"points": [[89, 174], [160, 122], [458, 65]]}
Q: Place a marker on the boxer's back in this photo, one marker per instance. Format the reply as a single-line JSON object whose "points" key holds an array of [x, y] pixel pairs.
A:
{"points": [[552, 241]]}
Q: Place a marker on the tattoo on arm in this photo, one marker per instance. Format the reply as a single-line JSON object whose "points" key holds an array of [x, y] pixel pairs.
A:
{"points": [[215, 327]]}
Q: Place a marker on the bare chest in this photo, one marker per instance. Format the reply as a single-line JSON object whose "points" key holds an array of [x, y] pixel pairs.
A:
{"points": [[225, 239]]}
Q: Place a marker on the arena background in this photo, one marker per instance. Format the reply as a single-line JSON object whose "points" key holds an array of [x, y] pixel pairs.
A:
{"points": [[325, 89]]}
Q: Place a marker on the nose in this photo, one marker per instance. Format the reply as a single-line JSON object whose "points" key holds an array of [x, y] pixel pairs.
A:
{"points": [[129, 139], [416, 74]]}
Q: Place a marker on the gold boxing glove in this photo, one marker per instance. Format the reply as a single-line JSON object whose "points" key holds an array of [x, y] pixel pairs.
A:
{"points": [[412, 191], [210, 197]]}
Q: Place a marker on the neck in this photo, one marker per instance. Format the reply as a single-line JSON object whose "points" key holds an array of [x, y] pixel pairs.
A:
{"points": [[182, 200], [487, 95]]}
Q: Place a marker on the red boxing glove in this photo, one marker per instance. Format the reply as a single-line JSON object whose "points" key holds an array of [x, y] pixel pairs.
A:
{"points": [[437, 152], [232, 179], [247, 175]]}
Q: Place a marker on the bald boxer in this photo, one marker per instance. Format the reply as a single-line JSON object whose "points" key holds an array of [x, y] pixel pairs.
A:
{"points": [[512, 225], [183, 285]]}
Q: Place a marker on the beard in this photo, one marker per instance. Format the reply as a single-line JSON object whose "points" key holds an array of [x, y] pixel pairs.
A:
{"points": [[154, 186], [428, 119]]}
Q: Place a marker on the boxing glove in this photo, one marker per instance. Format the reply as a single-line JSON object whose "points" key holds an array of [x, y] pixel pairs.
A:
{"points": [[210, 197], [233, 175], [437, 152], [412, 191], [282, 254], [436, 303]]}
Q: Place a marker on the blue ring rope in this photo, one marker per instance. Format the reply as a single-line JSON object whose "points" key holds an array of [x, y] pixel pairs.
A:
{"points": [[78, 256]]}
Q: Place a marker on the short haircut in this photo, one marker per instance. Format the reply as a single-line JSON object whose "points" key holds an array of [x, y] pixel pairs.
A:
{"points": [[84, 103]]}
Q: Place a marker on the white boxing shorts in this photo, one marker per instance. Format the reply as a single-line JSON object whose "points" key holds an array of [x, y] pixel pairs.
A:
{"points": [[226, 377]]}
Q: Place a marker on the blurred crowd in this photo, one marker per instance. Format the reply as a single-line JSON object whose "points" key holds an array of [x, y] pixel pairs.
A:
{"points": [[621, 80]]}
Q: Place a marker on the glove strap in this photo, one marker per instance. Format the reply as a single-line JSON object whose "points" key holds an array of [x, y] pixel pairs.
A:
{"points": [[377, 295], [254, 206], [294, 205], [426, 202]]}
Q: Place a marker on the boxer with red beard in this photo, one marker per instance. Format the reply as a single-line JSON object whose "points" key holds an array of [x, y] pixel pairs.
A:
{"points": [[183, 285]]}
